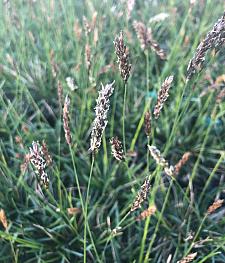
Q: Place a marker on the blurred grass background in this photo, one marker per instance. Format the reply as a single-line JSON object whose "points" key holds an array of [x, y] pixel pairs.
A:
{"points": [[33, 34]]}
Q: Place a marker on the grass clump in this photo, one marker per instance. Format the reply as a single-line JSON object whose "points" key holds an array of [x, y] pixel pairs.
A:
{"points": [[116, 173]]}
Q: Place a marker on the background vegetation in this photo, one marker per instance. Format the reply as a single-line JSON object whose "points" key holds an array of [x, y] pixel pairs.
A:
{"points": [[40, 37]]}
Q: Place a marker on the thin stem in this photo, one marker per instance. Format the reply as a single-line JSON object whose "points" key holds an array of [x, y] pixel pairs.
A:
{"points": [[148, 154], [137, 132], [129, 174], [111, 236], [158, 223], [86, 208], [147, 96], [196, 235], [59, 159], [194, 171], [82, 204], [177, 118], [211, 176], [123, 120], [147, 72], [76, 179], [147, 222]]}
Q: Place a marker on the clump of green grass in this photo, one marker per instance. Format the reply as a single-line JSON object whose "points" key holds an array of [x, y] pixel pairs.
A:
{"points": [[95, 206]]}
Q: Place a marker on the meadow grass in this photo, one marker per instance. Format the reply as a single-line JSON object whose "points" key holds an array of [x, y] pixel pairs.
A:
{"points": [[139, 206]]}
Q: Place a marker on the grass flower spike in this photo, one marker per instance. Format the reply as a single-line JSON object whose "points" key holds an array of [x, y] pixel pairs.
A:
{"points": [[144, 34], [155, 153], [162, 96], [117, 148], [100, 120], [60, 93], [3, 219], [188, 258], [147, 121], [88, 57], [46, 153], [182, 162], [130, 7], [220, 96], [37, 158], [66, 120], [146, 213], [141, 196], [217, 204], [123, 57], [214, 39]]}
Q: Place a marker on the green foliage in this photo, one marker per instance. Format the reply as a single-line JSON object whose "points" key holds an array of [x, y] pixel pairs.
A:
{"points": [[36, 34]]}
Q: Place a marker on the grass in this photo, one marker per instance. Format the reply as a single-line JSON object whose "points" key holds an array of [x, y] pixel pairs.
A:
{"points": [[35, 36]]}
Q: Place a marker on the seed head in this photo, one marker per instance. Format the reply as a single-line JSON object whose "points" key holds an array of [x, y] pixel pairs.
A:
{"points": [[158, 18], [130, 7], [24, 165], [147, 121], [215, 38], [217, 204], [77, 29], [94, 20], [141, 196], [144, 34], [117, 148], [71, 83], [157, 49], [60, 93], [54, 66], [66, 120], [146, 39], [87, 26], [37, 158], [188, 258], [220, 96], [146, 213], [162, 96], [3, 218], [100, 120], [122, 57], [182, 162], [73, 210], [160, 160], [46, 153], [88, 57]]}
